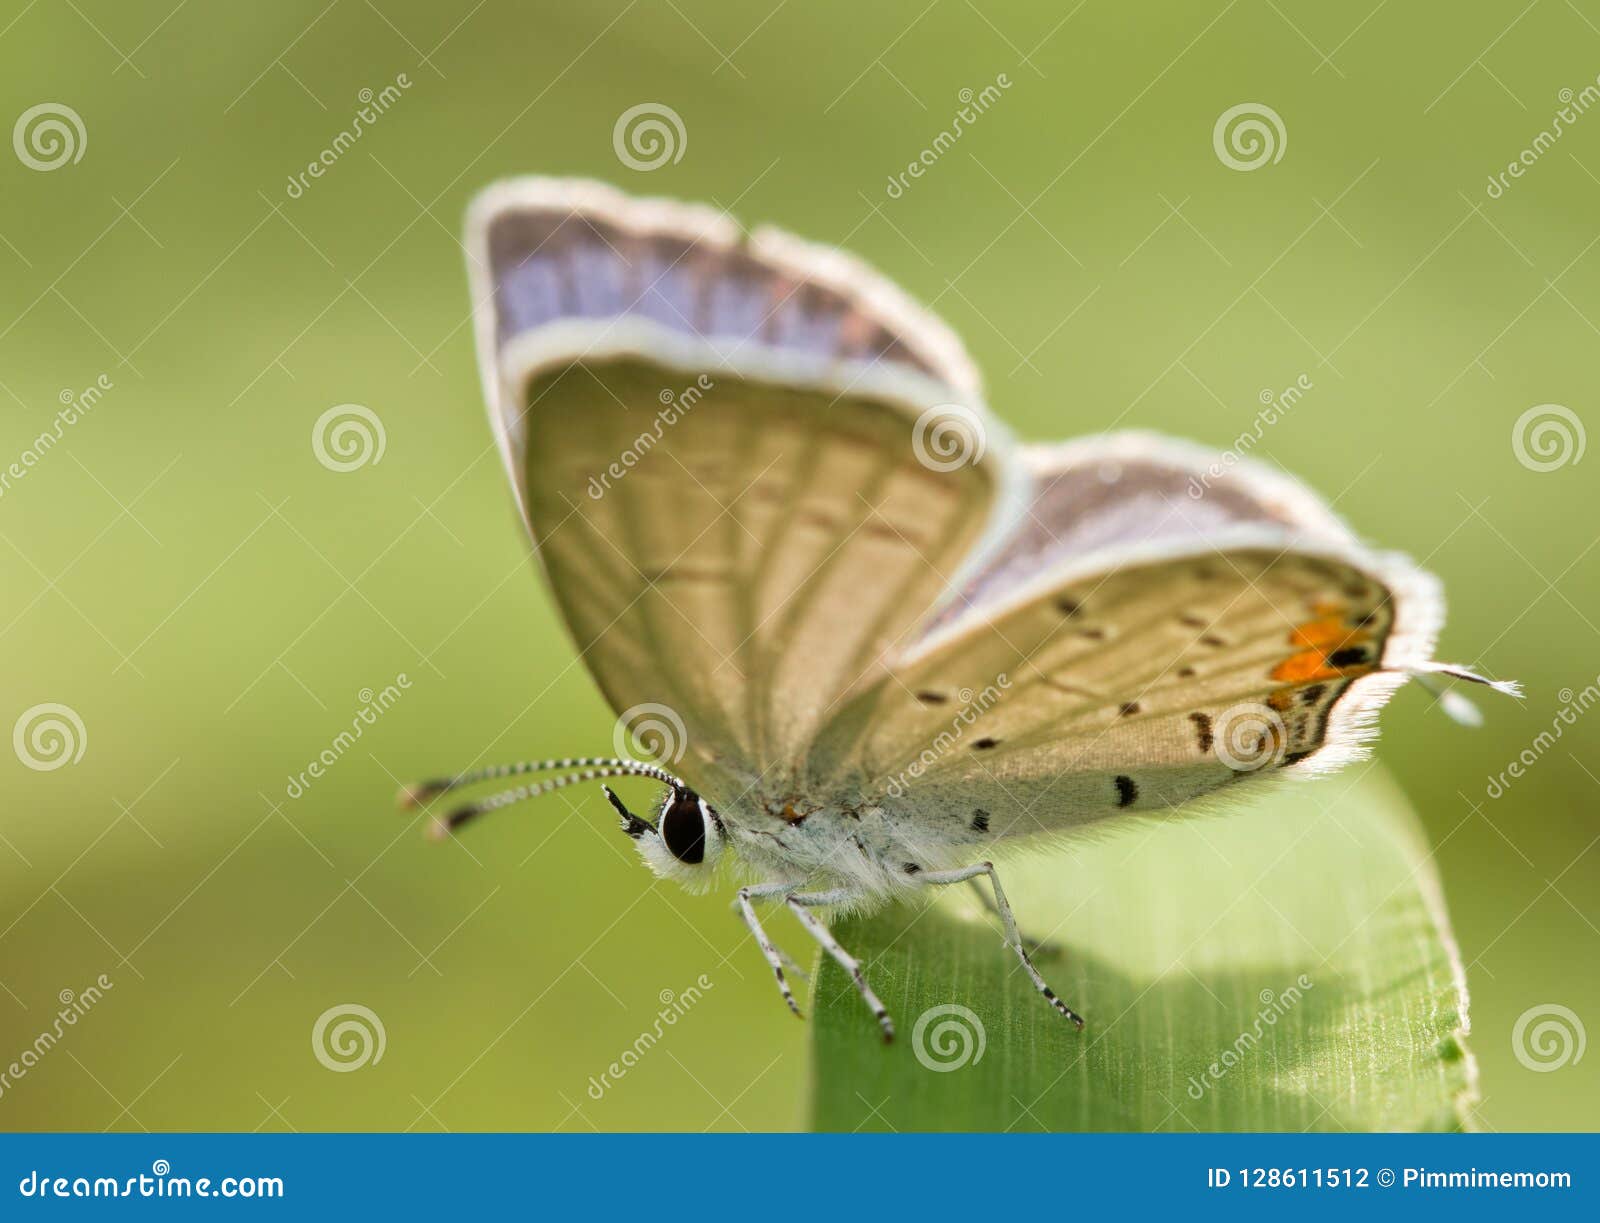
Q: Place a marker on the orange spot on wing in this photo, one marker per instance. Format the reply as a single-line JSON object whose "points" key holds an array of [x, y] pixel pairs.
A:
{"points": [[1326, 632], [1304, 667]]}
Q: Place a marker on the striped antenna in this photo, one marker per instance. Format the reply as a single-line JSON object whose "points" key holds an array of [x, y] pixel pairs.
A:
{"points": [[416, 794], [441, 828]]}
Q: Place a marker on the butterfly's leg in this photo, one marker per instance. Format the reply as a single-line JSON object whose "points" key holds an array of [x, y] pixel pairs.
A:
{"points": [[1003, 907], [801, 904], [1041, 946], [773, 956]]}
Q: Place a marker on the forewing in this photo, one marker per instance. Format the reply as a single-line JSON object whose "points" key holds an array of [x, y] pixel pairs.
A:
{"points": [[711, 439]]}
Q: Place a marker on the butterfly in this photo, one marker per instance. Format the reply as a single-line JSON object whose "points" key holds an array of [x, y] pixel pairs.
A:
{"points": [[869, 639]]}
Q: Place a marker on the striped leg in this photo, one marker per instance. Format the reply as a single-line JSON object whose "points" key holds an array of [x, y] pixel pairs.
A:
{"points": [[1003, 908], [1039, 946], [801, 904], [773, 956]]}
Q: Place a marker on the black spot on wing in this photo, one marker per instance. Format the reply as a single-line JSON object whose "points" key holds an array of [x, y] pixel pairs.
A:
{"points": [[984, 744], [980, 821], [1202, 729], [1127, 792]]}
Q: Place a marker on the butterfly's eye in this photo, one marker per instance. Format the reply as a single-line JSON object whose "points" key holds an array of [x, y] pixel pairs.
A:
{"points": [[685, 825]]}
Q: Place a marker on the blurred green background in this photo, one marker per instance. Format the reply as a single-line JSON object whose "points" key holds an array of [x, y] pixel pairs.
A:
{"points": [[211, 601]]}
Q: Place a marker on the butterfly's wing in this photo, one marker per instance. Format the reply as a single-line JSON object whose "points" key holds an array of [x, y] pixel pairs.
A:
{"points": [[713, 438], [1160, 626]]}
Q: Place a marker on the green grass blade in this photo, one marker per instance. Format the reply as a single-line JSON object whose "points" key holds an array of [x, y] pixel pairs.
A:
{"points": [[1286, 967]]}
